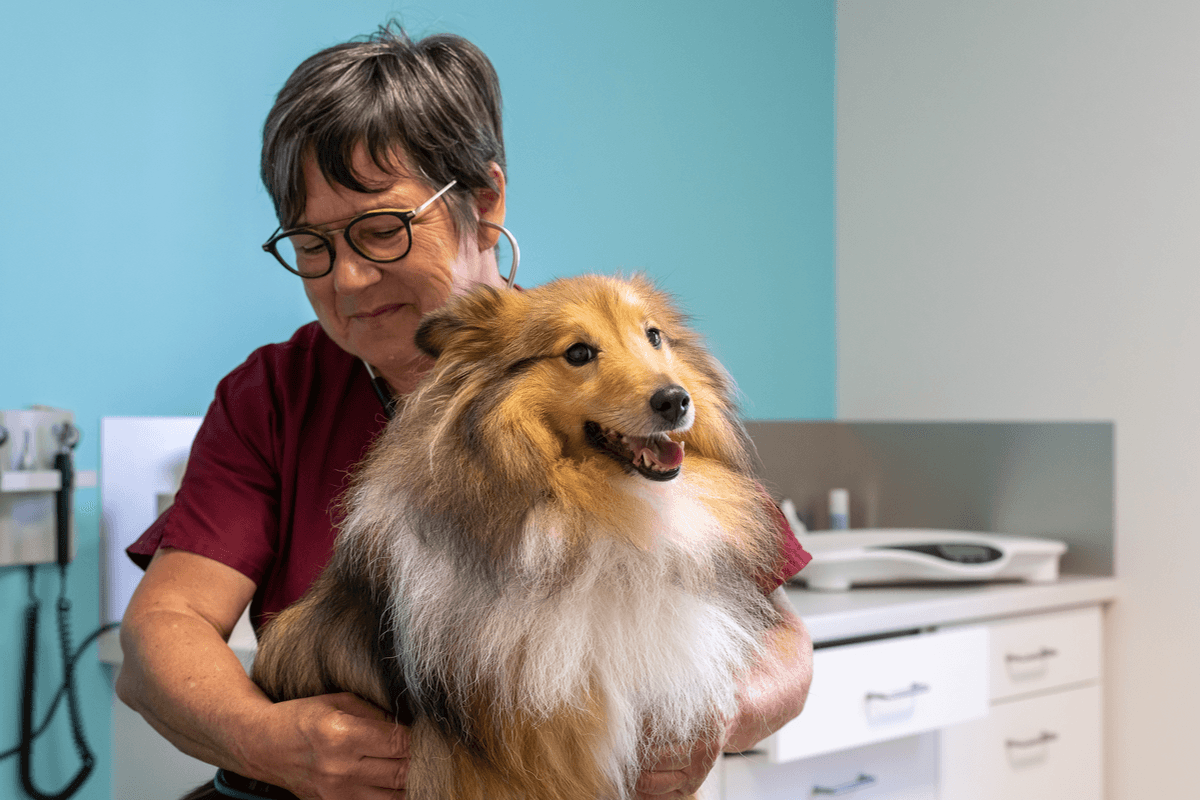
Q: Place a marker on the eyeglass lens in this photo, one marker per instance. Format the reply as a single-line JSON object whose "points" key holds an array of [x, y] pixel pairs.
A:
{"points": [[379, 237]]}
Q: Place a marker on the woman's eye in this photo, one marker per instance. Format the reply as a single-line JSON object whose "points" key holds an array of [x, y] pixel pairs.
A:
{"points": [[579, 354], [383, 234], [305, 245], [655, 337], [379, 229]]}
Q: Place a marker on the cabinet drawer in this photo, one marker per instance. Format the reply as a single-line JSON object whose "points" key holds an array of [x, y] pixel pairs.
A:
{"points": [[882, 690], [1045, 652], [1039, 748], [901, 769]]}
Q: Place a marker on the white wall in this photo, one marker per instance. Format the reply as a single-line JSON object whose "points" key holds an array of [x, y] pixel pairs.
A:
{"points": [[1019, 239]]}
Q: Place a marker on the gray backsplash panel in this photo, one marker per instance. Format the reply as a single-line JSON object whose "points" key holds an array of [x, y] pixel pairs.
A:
{"points": [[1048, 479]]}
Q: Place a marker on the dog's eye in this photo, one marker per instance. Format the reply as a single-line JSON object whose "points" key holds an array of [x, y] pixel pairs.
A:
{"points": [[579, 354], [655, 337]]}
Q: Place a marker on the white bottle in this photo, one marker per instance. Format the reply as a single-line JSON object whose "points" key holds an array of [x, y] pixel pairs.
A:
{"points": [[839, 509]]}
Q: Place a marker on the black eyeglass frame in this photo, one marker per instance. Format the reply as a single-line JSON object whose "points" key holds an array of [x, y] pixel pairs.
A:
{"points": [[405, 215]]}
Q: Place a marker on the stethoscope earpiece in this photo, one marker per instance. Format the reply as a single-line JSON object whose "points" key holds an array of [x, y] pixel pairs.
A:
{"points": [[516, 250]]}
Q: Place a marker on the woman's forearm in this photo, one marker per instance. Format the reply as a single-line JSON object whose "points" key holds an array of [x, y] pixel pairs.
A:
{"points": [[182, 677], [775, 691]]}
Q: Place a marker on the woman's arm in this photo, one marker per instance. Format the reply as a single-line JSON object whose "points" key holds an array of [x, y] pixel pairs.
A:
{"points": [[775, 692], [180, 675]]}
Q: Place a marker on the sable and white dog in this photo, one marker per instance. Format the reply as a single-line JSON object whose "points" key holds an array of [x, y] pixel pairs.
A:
{"points": [[550, 560]]}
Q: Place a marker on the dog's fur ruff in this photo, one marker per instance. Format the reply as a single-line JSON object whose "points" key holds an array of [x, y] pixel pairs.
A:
{"points": [[542, 610]]}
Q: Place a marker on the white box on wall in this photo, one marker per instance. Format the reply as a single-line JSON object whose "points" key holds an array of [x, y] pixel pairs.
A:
{"points": [[142, 461]]}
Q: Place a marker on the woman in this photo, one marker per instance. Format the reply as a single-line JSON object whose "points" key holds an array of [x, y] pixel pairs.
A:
{"points": [[385, 161]]}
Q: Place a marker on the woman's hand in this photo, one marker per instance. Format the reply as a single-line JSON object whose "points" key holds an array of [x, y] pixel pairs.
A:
{"points": [[341, 748], [678, 772]]}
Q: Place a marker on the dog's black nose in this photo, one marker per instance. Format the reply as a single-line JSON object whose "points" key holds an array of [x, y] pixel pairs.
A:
{"points": [[671, 403]]}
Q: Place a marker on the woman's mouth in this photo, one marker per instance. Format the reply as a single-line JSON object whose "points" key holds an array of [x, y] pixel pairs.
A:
{"points": [[377, 312]]}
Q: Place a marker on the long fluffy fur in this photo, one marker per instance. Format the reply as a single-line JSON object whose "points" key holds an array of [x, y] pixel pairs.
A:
{"points": [[539, 611]]}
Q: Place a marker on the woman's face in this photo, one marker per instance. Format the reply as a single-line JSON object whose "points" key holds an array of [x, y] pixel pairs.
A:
{"points": [[370, 309]]}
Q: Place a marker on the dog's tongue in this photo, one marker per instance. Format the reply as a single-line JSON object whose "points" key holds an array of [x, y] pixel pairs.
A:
{"points": [[662, 453]]}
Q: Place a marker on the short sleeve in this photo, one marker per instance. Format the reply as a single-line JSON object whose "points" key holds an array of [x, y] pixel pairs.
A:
{"points": [[227, 507], [266, 469], [791, 556]]}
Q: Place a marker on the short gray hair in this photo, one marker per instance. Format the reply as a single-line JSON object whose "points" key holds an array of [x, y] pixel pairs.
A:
{"points": [[436, 101]]}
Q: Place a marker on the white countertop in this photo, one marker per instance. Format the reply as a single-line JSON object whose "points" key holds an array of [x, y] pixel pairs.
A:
{"points": [[832, 616]]}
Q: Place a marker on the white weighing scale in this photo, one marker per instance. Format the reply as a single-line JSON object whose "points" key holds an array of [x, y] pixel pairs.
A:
{"points": [[863, 557]]}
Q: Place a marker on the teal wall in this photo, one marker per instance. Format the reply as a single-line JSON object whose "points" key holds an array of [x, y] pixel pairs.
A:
{"points": [[689, 139]]}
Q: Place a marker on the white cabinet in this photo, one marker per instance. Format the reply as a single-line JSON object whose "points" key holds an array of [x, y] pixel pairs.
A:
{"points": [[867, 730], [900, 769], [1042, 739], [992, 695], [880, 690], [1040, 748], [1044, 652]]}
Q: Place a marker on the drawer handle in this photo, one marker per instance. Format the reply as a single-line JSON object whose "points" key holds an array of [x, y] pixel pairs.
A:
{"points": [[861, 782], [913, 691], [1046, 738], [1044, 653]]}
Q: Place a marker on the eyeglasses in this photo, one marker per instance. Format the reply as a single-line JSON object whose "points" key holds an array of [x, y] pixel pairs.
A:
{"points": [[383, 235]]}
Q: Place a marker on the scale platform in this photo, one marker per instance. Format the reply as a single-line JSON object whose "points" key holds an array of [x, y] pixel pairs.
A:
{"points": [[863, 557]]}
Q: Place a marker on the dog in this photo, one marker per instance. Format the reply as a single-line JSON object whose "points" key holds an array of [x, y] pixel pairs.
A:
{"points": [[550, 560]]}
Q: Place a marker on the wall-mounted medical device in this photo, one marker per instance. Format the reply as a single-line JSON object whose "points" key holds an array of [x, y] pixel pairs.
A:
{"points": [[36, 480], [37, 484], [142, 460]]}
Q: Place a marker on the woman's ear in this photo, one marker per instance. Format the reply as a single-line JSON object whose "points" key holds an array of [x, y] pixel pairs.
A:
{"points": [[489, 206]]}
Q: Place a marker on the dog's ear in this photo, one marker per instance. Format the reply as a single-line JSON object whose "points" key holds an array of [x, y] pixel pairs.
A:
{"points": [[461, 317]]}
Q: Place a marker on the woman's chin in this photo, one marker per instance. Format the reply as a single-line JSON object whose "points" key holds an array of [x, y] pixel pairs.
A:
{"points": [[384, 340]]}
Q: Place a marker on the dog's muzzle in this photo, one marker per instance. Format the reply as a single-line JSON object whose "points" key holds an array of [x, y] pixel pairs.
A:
{"points": [[655, 455]]}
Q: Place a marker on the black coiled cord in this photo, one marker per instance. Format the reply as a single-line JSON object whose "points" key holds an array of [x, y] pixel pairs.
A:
{"points": [[48, 716], [68, 437], [29, 678]]}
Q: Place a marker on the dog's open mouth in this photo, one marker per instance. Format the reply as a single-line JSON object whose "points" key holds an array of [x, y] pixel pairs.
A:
{"points": [[655, 457]]}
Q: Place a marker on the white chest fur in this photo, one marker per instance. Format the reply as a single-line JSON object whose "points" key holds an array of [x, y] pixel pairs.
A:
{"points": [[661, 632]]}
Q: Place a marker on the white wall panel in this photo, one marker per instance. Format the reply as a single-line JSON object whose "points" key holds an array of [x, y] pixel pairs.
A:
{"points": [[1019, 239]]}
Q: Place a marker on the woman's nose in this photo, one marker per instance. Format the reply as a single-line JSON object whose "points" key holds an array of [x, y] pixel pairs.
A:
{"points": [[351, 272]]}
